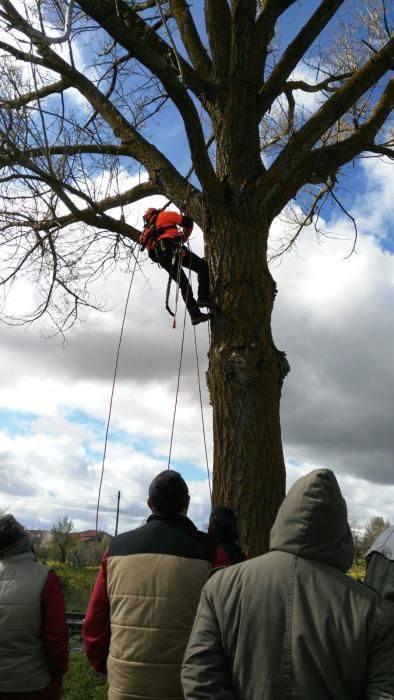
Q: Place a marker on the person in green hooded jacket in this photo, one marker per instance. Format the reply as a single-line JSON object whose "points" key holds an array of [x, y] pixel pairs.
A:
{"points": [[291, 623]]}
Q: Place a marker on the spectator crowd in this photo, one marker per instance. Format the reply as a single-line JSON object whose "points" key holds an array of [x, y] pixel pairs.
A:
{"points": [[179, 614]]}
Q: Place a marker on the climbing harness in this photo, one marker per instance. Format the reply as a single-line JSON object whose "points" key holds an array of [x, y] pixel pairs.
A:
{"points": [[176, 258]]}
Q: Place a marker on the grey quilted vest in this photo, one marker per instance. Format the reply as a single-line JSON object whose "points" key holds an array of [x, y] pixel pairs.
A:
{"points": [[23, 662]]}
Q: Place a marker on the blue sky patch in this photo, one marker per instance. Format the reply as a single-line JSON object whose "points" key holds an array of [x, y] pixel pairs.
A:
{"points": [[16, 423]]}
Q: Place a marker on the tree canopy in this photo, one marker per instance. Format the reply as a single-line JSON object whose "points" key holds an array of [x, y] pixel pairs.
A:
{"points": [[85, 84]]}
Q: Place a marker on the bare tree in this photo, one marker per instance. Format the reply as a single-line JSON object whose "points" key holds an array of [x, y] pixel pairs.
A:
{"points": [[358, 536], [373, 528], [63, 537], [72, 129]]}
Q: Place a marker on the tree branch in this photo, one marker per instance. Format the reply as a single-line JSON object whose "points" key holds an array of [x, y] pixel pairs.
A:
{"points": [[158, 166], [323, 85], [68, 150], [40, 36], [324, 161], [95, 217], [146, 5], [35, 95], [22, 55], [298, 164], [294, 53], [381, 150], [265, 25], [270, 12], [361, 81], [191, 39], [218, 24], [137, 37]]}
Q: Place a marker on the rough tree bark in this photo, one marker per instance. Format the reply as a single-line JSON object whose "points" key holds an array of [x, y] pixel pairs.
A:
{"points": [[245, 378]]}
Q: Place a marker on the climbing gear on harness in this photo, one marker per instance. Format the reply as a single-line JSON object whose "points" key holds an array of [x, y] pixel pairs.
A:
{"points": [[152, 233], [177, 254], [168, 296]]}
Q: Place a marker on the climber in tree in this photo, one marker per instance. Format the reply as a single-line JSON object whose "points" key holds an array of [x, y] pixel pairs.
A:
{"points": [[163, 237]]}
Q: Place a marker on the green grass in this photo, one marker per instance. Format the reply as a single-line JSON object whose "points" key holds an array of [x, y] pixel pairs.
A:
{"points": [[77, 585], [80, 682], [357, 571]]}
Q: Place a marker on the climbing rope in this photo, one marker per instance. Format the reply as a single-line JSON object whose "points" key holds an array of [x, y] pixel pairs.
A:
{"points": [[110, 406], [199, 392], [176, 256], [178, 378], [202, 414]]}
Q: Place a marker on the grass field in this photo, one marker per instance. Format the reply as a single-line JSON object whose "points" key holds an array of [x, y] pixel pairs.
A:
{"points": [[77, 584], [80, 683]]}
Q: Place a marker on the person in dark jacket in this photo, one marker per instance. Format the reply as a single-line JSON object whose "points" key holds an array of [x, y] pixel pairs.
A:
{"points": [[380, 565], [164, 236], [290, 623], [143, 604], [223, 528], [33, 625]]}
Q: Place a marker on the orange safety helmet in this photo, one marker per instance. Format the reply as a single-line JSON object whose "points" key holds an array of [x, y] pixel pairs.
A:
{"points": [[149, 214]]}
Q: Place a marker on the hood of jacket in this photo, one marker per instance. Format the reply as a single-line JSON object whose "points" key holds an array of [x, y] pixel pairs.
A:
{"points": [[312, 521], [384, 544]]}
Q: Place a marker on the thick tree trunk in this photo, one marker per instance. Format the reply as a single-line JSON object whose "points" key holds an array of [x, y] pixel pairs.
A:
{"points": [[245, 377]]}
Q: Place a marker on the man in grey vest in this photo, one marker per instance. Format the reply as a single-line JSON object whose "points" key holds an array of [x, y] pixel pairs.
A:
{"points": [[380, 565], [33, 625]]}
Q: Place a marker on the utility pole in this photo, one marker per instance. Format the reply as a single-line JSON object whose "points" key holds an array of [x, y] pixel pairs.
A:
{"points": [[117, 515]]}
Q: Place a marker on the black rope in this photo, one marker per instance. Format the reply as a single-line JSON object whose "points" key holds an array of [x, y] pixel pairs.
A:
{"points": [[168, 290]]}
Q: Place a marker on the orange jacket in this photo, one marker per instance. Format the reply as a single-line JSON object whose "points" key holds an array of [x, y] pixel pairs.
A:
{"points": [[168, 221]]}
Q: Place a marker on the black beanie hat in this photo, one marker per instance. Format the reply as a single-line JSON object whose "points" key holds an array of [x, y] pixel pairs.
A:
{"points": [[10, 532]]}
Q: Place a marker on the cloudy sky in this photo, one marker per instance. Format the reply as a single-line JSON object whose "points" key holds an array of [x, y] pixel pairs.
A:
{"points": [[334, 319]]}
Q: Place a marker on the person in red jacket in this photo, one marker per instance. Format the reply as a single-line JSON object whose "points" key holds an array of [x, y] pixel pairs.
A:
{"points": [[222, 527], [33, 624], [164, 235], [145, 597]]}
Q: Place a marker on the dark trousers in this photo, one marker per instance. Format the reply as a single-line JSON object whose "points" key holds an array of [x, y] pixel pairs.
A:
{"points": [[163, 254]]}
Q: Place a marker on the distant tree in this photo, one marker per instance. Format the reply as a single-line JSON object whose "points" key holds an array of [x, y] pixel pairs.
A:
{"points": [[42, 547], [358, 537], [373, 528], [63, 538], [86, 553], [264, 118]]}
